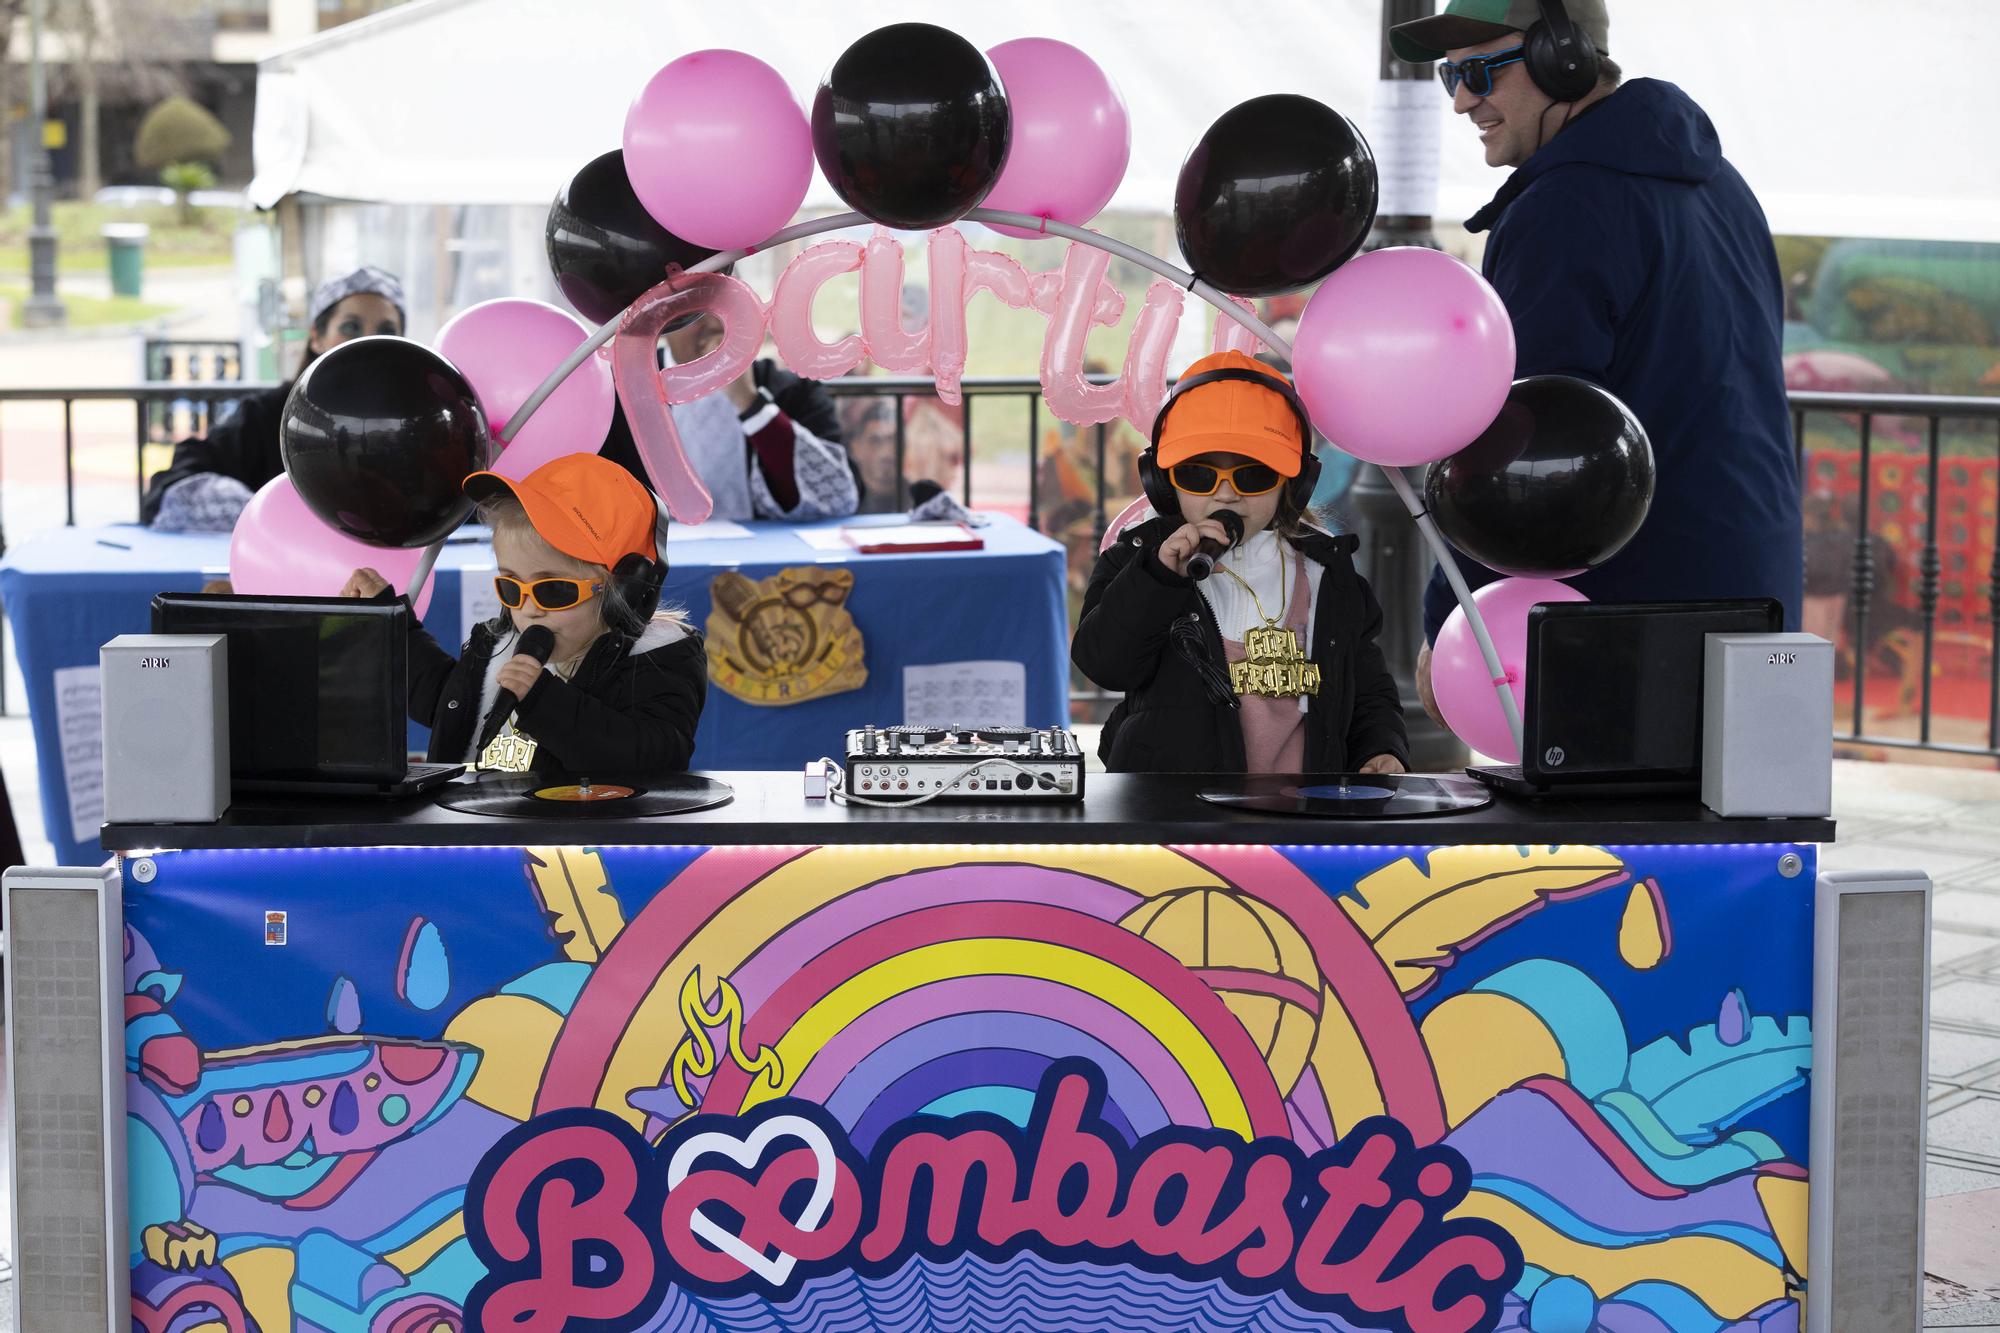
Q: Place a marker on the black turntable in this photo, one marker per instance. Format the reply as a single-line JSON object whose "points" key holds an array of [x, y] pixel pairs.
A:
{"points": [[1349, 795]]}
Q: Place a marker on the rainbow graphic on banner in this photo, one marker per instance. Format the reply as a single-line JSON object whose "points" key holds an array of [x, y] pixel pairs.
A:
{"points": [[1515, 1088]]}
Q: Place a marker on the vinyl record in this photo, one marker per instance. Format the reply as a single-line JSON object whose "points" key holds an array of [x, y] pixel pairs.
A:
{"points": [[1351, 795], [557, 796]]}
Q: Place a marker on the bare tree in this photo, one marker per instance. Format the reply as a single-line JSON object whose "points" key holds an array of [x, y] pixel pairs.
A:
{"points": [[11, 11], [125, 51]]}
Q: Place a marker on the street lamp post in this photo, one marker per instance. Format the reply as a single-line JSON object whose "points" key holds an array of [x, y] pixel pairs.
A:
{"points": [[1392, 555], [44, 308]]}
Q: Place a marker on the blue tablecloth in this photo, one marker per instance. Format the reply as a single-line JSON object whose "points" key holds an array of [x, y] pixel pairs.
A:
{"points": [[68, 591]]}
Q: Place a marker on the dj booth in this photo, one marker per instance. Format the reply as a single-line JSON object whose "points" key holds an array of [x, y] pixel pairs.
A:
{"points": [[1136, 1062], [926, 626]]}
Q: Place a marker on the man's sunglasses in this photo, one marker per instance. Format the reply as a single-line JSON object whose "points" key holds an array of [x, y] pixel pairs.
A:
{"points": [[1476, 72], [548, 594], [1246, 479]]}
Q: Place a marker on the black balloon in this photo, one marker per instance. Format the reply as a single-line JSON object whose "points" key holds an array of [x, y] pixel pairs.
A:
{"points": [[1556, 485], [911, 126], [604, 247], [377, 435], [1279, 193]]}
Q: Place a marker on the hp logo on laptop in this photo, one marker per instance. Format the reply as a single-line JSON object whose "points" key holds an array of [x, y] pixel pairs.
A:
{"points": [[1553, 756]]}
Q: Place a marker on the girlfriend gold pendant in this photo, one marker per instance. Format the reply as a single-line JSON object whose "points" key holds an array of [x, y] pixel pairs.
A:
{"points": [[1272, 666], [509, 753]]}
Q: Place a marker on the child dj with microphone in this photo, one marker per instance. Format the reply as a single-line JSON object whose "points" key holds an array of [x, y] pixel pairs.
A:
{"points": [[1237, 629], [580, 673]]}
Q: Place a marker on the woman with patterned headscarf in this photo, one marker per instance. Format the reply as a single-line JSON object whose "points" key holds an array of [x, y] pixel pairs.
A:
{"points": [[212, 478]]}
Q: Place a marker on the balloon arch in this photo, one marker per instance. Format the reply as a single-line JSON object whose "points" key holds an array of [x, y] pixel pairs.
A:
{"points": [[1404, 357]]}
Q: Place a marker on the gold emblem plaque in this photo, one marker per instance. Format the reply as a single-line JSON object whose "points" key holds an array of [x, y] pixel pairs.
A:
{"points": [[784, 639]]}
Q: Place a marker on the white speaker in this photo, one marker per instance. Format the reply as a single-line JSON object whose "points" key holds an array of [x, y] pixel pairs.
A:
{"points": [[66, 1098], [1767, 725], [1870, 1025], [166, 728]]}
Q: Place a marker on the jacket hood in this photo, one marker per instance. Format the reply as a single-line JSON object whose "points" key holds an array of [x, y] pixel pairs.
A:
{"points": [[1647, 127]]}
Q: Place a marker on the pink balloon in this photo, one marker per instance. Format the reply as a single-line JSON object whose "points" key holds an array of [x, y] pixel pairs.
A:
{"points": [[1068, 394], [281, 548], [1459, 678], [1403, 356], [991, 271], [892, 346], [505, 349], [718, 149], [646, 390], [1144, 377], [947, 261], [799, 344], [1232, 336], [1141, 385], [1071, 140]]}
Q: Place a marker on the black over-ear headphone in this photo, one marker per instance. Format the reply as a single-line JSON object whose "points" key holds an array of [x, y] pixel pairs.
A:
{"points": [[1561, 58], [1159, 487], [636, 581]]}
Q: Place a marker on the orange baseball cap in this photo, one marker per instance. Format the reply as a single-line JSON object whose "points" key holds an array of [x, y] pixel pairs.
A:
{"points": [[585, 506], [1233, 416]]}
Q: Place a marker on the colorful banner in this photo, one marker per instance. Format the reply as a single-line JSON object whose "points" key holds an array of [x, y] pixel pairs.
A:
{"points": [[1432, 1090]]}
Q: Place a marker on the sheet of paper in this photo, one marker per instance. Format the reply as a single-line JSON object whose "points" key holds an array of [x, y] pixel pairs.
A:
{"points": [[476, 599], [824, 539], [966, 694], [80, 727], [913, 537], [715, 530], [1406, 127]]}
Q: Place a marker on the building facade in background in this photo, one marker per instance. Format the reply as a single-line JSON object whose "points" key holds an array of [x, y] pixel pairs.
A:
{"points": [[127, 55]]}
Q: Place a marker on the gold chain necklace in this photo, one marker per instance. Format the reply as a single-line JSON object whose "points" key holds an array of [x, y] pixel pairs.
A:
{"points": [[1284, 589], [1273, 665]]}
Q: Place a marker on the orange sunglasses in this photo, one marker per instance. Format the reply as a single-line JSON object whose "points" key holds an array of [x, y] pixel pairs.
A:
{"points": [[546, 594], [1246, 479]]}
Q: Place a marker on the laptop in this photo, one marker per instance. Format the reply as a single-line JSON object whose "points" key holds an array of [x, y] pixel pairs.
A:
{"points": [[319, 692], [1614, 693]]}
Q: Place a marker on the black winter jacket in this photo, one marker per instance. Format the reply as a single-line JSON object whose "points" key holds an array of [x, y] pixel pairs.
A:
{"points": [[1631, 254], [621, 714], [1142, 627], [243, 446]]}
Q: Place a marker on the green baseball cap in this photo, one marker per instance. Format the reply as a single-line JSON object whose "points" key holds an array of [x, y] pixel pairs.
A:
{"points": [[1470, 22]]}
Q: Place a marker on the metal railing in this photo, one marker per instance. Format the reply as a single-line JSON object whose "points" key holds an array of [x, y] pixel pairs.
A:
{"points": [[1974, 435], [1982, 418], [193, 360], [899, 392], [162, 413]]}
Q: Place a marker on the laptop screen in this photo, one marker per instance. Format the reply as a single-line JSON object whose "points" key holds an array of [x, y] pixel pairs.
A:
{"points": [[318, 686], [1614, 688]]}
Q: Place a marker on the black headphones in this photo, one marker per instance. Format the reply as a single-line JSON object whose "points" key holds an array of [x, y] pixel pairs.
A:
{"points": [[1560, 57], [1159, 487], [636, 581]]}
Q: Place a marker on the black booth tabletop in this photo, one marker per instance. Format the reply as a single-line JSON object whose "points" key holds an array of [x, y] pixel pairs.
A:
{"points": [[770, 807]]}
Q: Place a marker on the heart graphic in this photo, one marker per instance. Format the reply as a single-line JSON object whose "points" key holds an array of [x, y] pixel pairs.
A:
{"points": [[747, 1152]]}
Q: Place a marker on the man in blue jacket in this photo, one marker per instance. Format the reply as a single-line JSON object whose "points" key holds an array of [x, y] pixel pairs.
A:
{"points": [[1631, 254]]}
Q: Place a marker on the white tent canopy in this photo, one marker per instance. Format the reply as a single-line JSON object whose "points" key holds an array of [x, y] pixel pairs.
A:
{"points": [[1848, 117]]}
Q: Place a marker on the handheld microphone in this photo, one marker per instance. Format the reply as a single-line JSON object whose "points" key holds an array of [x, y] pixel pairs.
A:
{"points": [[1202, 563], [537, 641]]}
